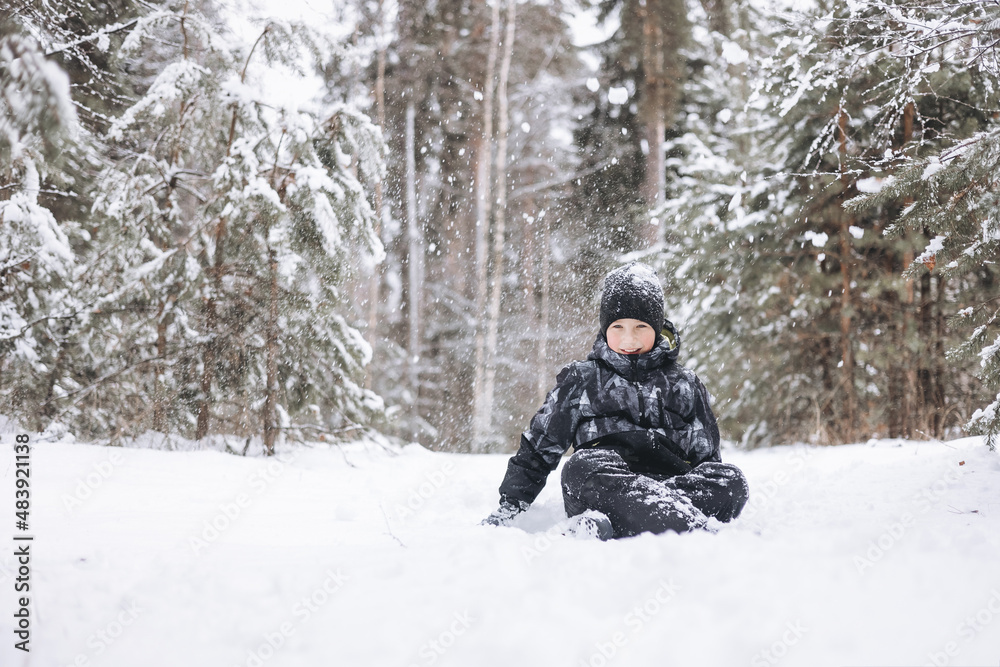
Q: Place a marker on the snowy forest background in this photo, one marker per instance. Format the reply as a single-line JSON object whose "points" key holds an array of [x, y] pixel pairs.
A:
{"points": [[216, 219]]}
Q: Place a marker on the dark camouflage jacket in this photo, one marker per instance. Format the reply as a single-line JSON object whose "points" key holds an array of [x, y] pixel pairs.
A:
{"points": [[595, 401]]}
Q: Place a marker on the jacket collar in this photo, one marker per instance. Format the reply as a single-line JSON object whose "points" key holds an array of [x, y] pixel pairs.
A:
{"points": [[664, 352]]}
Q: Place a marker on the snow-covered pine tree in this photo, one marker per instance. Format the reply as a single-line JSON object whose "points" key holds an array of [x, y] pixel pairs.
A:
{"points": [[943, 186], [840, 324], [791, 290], [720, 186], [811, 268], [220, 237], [38, 124]]}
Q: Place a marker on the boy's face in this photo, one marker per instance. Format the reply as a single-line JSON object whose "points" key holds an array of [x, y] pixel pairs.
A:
{"points": [[630, 336]]}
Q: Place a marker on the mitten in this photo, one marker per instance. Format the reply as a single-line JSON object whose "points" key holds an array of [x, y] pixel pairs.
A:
{"points": [[503, 515]]}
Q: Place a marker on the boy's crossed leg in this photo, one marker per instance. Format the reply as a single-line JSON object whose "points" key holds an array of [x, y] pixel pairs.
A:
{"points": [[601, 480]]}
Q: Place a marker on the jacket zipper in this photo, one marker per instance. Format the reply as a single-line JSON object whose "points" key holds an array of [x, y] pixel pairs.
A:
{"points": [[638, 390]]}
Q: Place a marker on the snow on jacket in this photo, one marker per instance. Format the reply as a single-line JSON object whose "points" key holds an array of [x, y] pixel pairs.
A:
{"points": [[612, 393]]}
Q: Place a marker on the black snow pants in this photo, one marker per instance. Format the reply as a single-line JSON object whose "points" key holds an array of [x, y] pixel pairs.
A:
{"points": [[601, 480]]}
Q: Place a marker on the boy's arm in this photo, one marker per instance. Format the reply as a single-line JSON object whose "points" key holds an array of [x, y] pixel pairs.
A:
{"points": [[710, 429], [550, 434]]}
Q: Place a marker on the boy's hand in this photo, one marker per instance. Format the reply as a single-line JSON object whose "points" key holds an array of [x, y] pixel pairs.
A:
{"points": [[503, 515], [715, 470]]}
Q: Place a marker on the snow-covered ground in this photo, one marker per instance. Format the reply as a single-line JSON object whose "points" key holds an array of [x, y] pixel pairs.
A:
{"points": [[885, 553]]}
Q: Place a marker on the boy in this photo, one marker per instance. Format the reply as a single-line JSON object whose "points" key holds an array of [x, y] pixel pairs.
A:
{"points": [[646, 442]]}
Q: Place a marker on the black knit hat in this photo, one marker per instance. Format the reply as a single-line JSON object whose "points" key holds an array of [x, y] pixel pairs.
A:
{"points": [[633, 292]]}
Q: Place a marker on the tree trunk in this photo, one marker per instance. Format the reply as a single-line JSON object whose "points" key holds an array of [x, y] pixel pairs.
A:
{"points": [[50, 409], [208, 362], [909, 410], [938, 358], [271, 345], [159, 398], [536, 280], [931, 373], [374, 288], [499, 220], [530, 254], [210, 351], [543, 323], [414, 258], [718, 16], [481, 417], [896, 382], [846, 305], [654, 180]]}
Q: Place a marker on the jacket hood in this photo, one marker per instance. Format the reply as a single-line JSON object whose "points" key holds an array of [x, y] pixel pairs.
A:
{"points": [[664, 352]]}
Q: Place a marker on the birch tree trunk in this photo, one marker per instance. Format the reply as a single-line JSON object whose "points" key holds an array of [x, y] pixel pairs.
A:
{"points": [[481, 412], [536, 281], [543, 323], [415, 256], [374, 288], [499, 220], [530, 254]]}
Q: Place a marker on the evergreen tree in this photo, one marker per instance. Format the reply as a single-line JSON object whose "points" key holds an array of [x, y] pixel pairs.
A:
{"points": [[722, 192], [791, 289], [943, 185], [221, 232], [37, 261]]}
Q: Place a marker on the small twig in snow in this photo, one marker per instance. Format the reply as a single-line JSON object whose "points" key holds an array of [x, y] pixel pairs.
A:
{"points": [[389, 527]]}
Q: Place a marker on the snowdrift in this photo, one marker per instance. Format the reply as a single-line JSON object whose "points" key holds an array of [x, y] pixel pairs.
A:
{"points": [[873, 554]]}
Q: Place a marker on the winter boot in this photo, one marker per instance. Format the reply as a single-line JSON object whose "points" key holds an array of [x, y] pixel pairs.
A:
{"points": [[589, 525]]}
